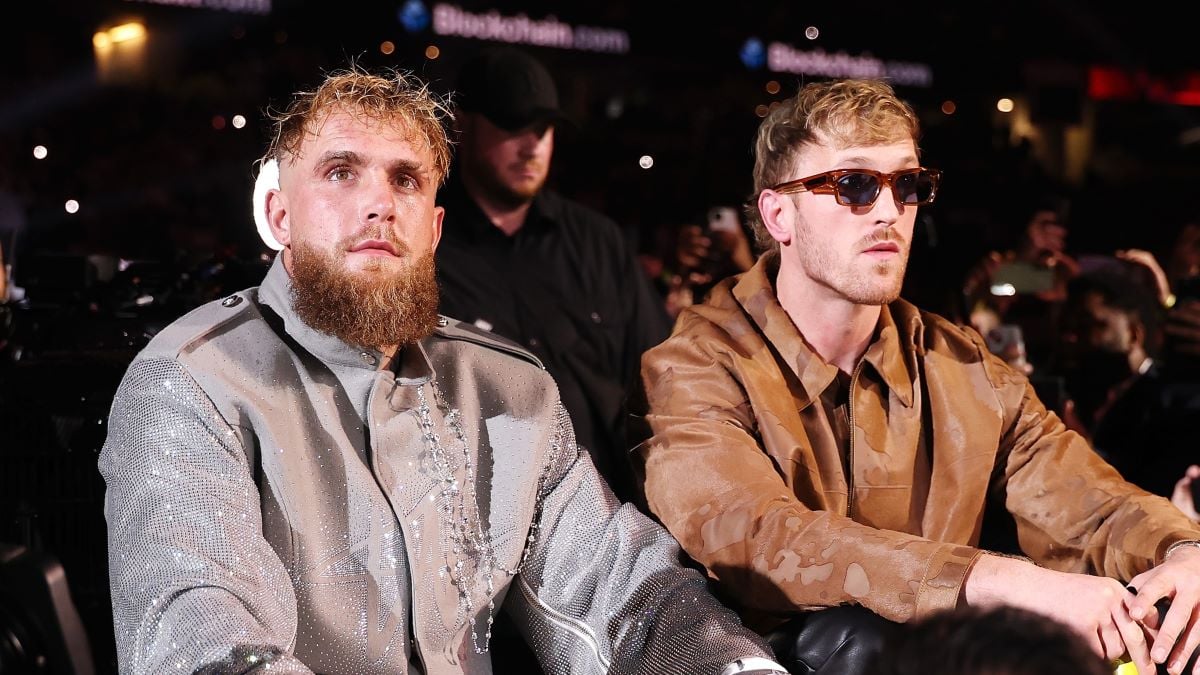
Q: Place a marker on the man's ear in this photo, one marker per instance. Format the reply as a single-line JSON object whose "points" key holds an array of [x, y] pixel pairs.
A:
{"points": [[438, 214], [1137, 332], [776, 212], [278, 218]]}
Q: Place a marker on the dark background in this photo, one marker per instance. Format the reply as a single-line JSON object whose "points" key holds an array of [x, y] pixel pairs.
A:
{"points": [[166, 193]]}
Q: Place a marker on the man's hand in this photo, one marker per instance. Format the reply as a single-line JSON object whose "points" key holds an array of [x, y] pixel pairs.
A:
{"points": [[693, 248], [1182, 497], [1177, 579], [1147, 260], [1097, 608]]}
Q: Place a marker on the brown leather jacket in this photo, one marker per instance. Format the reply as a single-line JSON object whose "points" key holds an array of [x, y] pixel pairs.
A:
{"points": [[742, 467]]}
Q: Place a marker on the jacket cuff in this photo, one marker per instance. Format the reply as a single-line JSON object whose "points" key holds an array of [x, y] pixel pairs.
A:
{"points": [[944, 577]]}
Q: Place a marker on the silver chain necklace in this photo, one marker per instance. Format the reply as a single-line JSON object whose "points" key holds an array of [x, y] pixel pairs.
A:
{"points": [[467, 546]]}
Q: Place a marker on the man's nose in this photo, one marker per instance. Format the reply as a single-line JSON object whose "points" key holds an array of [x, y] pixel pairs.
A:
{"points": [[885, 209], [378, 202]]}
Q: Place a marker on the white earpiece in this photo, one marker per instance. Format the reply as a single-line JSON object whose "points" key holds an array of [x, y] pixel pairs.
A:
{"points": [[268, 179]]}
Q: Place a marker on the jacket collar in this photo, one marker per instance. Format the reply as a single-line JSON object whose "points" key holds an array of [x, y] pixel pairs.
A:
{"points": [[889, 353], [276, 293]]}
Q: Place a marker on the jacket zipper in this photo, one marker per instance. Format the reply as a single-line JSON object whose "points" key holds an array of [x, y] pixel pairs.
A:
{"points": [[850, 451], [569, 624]]}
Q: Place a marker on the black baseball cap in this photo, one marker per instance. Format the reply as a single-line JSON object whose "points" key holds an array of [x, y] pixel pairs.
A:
{"points": [[510, 88]]}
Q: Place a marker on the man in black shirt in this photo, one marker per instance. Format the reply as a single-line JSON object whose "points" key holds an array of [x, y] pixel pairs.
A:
{"points": [[530, 265]]}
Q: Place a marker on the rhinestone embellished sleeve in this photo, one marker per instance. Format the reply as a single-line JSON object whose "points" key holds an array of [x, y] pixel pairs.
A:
{"points": [[195, 586], [603, 590]]}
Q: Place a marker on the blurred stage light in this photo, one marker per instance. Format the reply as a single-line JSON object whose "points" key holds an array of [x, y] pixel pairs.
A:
{"points": [[71, 206], [812, 32], [120, 53], [218, 122], [1004, 105], [432, 52], [126, 32], [761, 110], [239, 121], [387, 47], [948, 107], [773, 87], [40, 152], [645, 161]]}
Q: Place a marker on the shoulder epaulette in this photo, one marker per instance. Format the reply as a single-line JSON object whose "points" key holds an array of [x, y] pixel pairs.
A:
{"points": [[454, 329]]}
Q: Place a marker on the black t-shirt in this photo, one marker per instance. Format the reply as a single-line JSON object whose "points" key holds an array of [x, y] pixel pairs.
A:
{"points": [[566, 287]]}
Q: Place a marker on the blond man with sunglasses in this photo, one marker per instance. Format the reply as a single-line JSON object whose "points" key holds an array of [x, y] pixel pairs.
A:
{"points": [[837, 459]]}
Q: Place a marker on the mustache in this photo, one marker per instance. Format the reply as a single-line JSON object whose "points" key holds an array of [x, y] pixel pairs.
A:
{"points": [[886, 234], [347, 243]]}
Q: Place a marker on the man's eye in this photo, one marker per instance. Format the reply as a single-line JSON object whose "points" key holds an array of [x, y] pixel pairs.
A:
{"points": [[407, 182], [340, 174]]}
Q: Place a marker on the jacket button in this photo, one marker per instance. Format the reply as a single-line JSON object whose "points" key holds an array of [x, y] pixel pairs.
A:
{"points": [[231, 301], [443, 322], [368, 358]]}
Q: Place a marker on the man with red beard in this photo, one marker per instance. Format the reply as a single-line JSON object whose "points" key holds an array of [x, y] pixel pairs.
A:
{"points": [[321, 474], [524, 262], [819, 444]]}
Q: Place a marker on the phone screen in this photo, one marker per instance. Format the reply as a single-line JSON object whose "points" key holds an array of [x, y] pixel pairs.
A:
{"points": [[722, 219], [1021, 277]]}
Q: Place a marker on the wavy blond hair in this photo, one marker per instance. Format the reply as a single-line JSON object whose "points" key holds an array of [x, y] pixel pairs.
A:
{"points": [[842, 113], [393, 97]]}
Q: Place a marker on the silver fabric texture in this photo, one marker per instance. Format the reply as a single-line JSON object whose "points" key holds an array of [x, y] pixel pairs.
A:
{"points": [[195, 584], [261, 518]]}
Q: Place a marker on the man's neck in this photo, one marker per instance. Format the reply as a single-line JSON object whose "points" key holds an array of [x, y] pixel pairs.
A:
{"points": [[840, 331], [389, 354], [506, 216]]}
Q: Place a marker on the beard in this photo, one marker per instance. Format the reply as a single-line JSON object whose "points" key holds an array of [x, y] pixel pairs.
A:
{"points": [[879, 284], [374, 308], [498, 190]]}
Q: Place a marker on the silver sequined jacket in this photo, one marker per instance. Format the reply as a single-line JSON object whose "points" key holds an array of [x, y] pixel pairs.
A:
{"points": [[273, 497]]}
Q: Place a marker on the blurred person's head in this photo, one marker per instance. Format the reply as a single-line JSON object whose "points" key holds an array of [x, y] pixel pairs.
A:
{"points": [[1044, 233], [507, 111], [360, 161], [1104, 329], [997, 641], [837, 180]]}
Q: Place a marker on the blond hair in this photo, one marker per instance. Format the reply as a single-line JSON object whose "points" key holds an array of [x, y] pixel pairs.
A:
{"points": [[842, 113], [393, 97]]}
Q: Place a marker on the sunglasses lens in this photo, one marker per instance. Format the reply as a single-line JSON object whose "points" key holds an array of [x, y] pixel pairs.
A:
{"points": [[916, 187], [858, 189]]}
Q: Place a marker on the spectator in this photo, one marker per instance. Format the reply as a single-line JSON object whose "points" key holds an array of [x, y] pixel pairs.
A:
{"points": [[521, 261], [996, 641]]}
